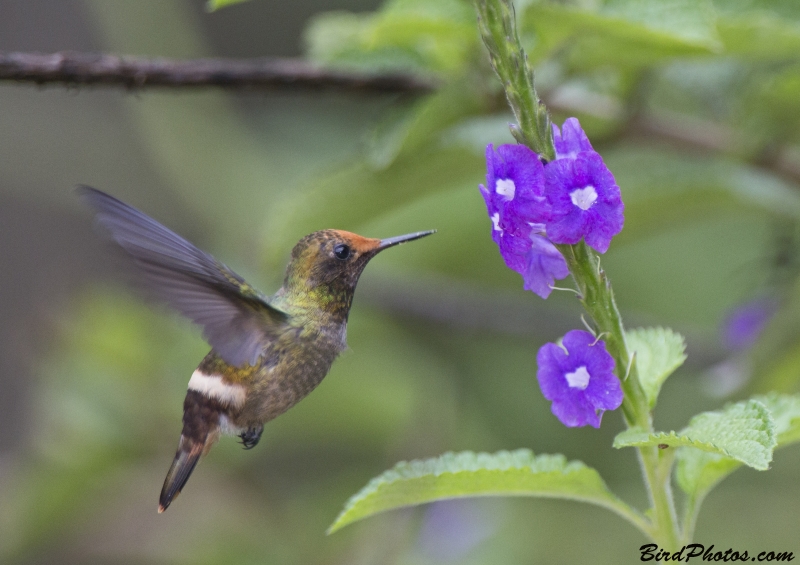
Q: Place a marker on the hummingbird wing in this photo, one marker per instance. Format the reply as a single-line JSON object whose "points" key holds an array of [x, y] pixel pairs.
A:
{"points": [[237, 320]]}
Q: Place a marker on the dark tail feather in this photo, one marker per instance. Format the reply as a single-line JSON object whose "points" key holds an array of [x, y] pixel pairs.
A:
{"points": [[186, 459], [200, 432]]}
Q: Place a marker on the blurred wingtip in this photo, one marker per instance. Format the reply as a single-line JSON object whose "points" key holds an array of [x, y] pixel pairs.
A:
{"points": [[85, 191]]}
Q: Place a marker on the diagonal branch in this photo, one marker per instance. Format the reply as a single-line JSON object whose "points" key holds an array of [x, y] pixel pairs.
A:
{"points": [[137, 72]]}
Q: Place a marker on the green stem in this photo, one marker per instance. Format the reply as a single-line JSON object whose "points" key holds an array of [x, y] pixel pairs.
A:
{"points": [[499, 32], [597, 298], [690, 513], [659, 488]]}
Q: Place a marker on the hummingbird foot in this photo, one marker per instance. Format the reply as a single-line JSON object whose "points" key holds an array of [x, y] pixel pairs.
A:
{"points": [[251, 437]]}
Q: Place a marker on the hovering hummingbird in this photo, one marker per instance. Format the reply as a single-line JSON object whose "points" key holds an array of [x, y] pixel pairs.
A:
{"points": [[267, 352]]}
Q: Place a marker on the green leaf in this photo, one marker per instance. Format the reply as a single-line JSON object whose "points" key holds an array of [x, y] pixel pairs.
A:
{"points": [[405, 34], [785, 410], [744, 431], [716, 443], [630, 33], [659, 351], [743, 35], [698, 472], [515, 473], [690, 20]]}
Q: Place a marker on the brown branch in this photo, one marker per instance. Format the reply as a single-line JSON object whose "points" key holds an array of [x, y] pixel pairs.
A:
{"points": [[137, 72], [72, 68]]}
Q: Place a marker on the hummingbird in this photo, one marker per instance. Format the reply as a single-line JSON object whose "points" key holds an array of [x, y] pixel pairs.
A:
{"points": [[268, 352]]}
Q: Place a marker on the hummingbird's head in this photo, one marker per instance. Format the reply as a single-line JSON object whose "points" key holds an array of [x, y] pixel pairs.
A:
{"points": [[328, 263]]}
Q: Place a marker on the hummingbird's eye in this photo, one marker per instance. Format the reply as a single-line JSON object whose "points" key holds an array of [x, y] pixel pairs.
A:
{"points": [[341, 251]]}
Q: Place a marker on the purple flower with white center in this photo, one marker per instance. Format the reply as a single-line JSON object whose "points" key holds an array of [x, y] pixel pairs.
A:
{"points": [[578, 378], [585, 201], [571, 140], [518, 210], [514, 190]]}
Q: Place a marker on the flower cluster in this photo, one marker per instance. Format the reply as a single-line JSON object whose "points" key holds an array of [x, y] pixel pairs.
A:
{"points": [[515, 200], [532, 206], [578, 377]]}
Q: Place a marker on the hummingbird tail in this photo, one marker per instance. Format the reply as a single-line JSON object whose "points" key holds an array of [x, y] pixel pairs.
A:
{"points": [[200, 431], [180, 471]]}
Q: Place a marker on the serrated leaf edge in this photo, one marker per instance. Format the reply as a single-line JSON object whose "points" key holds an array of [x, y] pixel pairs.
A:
{"points": [[470, 462], [685, 439], [668, 370]]}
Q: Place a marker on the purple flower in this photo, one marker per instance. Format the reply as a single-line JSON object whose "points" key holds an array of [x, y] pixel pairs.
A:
{"points": [[571, 140], [585, 201], [578, 377], [515, 202], [745, 323], [514, 191], [543, 265]]}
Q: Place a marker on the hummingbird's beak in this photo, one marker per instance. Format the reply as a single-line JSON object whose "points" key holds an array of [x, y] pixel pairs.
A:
{"points": [[392, 241]]}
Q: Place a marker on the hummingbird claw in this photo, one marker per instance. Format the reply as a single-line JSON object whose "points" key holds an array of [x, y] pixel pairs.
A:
{"points": [[251, 437]]}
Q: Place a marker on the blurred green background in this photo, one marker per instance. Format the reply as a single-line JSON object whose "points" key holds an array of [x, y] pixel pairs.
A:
{"points": [[694, 104]]}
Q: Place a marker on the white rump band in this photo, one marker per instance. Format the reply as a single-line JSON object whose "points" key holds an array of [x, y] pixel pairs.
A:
{"points": [[214, 387]]}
